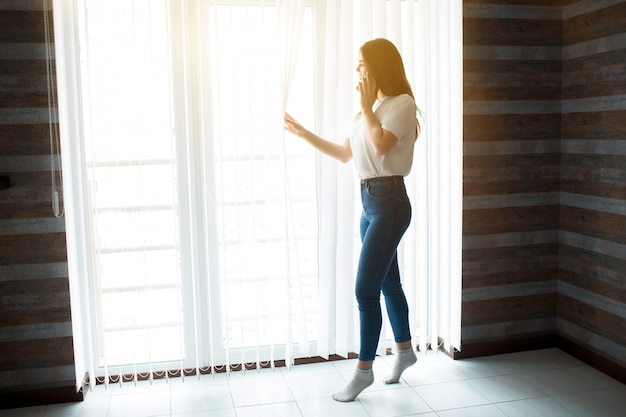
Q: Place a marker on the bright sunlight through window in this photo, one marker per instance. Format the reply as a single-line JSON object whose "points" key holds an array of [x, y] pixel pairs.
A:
{"points": [[138, 179]]}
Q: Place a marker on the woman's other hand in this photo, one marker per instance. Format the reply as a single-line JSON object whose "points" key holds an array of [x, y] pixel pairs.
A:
{"points": [[368, 90]]}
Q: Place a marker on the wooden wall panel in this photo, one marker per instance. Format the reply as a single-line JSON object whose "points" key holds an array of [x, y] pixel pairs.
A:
{"points": [[36, 353], [609, 125], [509, 309], [543, 3], [497, 31], [508, 220], [545, 176], [594, 223], [592, 257], [595, 319], [22, 26], [594, 23], [523, 127], [509, 266], [511, 134]]}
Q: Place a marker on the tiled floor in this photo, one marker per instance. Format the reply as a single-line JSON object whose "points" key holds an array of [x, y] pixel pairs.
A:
{"points": [[540, 383]]}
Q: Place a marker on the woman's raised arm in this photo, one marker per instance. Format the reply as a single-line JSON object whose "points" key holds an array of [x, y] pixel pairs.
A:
{"points": [[340, 151]]}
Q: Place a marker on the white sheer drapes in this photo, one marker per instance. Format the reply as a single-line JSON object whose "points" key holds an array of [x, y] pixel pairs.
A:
{"points": [[336, 199], [257, 262], [428, 35], [250, 183], [445, 167]]}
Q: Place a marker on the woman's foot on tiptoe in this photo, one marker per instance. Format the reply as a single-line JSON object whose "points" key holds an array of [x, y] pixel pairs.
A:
{"points": [[361, 380]]}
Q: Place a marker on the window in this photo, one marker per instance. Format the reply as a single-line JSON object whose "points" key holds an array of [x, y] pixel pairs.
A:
{"points": [[131, 166], [265, 199], [214, 239], [169, 205]]}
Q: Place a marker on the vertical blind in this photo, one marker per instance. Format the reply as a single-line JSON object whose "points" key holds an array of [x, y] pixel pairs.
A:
{"points": [[200, 236]]}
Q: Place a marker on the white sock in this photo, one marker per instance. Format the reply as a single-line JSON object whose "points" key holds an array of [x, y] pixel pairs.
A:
{"points": [[361, 380], [404, 359]]}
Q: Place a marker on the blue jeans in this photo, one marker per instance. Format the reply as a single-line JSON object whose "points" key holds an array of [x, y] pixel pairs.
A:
{"points": [[386, 216]]}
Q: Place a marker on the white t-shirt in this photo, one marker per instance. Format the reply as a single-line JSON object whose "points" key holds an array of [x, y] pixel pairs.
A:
{"points": [[397, 115]]}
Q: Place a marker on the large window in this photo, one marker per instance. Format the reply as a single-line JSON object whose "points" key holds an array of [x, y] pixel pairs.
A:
{"points": [[131, 165], [185, 200], [200, 234]]}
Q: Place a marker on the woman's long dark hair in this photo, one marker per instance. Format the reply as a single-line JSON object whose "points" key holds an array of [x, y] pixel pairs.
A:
{"points": [[385, 64]]}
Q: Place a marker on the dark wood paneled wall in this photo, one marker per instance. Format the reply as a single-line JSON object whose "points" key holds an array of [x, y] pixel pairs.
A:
{"points": [[544, 246], [36, 351], [592, 257], [512, 131]]}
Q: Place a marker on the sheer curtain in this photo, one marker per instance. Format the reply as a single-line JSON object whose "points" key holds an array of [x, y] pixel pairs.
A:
{"points": [[202, 238], [257, 181], [443, 188], [429, 37]]}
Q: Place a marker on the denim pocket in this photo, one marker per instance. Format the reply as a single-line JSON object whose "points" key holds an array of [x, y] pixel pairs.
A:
{"points": [[382, 191]]}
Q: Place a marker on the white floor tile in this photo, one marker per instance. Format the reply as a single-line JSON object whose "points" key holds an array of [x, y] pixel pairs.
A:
{"points": [[535, 407], [139, 387], [263, 375], [95, 407], [98, 391], [346, 365], [304, 387], [145, 404], [564, 359], [479, 368], [619, 393], [260, 391], [201, 398], [526, 361], [24, 412], [393, 403], [602, 403], [214, 413], [558, 381], [433, 372], [505, 388], [202, 380], [289, 409], [323, 407], [312, 368], [450, 395], [423, 415], [596, 378], [480, 411]]}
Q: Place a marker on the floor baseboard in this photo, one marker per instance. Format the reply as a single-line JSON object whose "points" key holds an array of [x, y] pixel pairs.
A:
{"points": [[591, 358], [497, 347], [38, 397]]}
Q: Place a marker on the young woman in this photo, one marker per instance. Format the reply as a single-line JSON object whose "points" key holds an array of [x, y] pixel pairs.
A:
{"points": [[381, 144]]}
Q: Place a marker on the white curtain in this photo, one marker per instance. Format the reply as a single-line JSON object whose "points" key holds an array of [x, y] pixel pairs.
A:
{"points": [[440, 299], [429, 37], [202, 238]]}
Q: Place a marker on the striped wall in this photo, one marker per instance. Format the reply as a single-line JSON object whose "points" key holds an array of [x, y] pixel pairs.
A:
{"points": [[592, 285], [512, 139], [36, 353], [544, 247]]}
